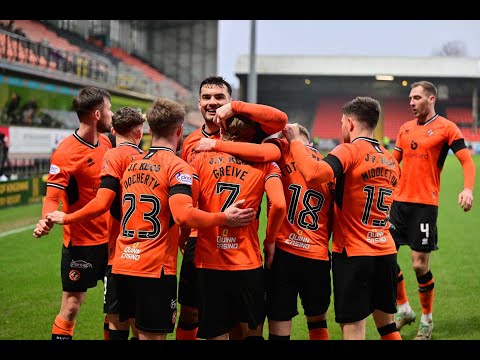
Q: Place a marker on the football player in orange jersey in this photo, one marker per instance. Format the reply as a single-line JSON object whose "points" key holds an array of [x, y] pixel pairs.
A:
{"points": [[229, 269], [73, 180], [159, 193], [363, 251], [215, 103], [128, 130], [301, 265], [422, 146]]}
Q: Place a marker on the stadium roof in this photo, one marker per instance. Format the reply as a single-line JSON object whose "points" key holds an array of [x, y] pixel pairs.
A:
{"points": [[440, 66]]}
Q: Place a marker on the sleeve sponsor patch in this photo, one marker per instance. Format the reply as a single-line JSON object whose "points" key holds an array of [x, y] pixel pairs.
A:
{"points": [[54, 169], [184, 178]]}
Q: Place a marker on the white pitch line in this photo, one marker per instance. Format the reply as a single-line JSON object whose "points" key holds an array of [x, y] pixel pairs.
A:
{"points": [[14, 231]]}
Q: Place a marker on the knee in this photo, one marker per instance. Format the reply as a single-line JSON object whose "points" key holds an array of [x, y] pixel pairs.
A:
{"points": [[420, 268]]}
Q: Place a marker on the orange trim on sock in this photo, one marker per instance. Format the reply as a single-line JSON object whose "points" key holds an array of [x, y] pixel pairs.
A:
{"points": [[63, 327], [402, 297], [426, 297], [318, 334], [392, 336], [182, 334]]}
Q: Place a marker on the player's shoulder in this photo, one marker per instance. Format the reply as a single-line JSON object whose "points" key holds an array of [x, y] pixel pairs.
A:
{"points": [[67, 141], [105, 141], [445, 122], [409, 124]]}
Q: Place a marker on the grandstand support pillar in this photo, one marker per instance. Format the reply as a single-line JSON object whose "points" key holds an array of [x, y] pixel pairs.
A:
{"points": [[252, 75], [475, 110]]}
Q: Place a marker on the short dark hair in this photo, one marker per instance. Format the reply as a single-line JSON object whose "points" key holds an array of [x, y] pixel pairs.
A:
{"points": [[216, 80], [365, 109], [125, 119], [164, 116], [428, 87], [89, 98]]}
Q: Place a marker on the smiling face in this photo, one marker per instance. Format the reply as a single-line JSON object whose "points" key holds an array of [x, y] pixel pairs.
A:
{"points": [[211, 98]]}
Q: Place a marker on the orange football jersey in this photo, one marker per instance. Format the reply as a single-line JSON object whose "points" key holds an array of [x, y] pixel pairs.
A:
{"points": [[363, 197], [225, 179], [190, 142], [148, 240], [75, 167], [306, 228], [115, 162], [424, 149]]}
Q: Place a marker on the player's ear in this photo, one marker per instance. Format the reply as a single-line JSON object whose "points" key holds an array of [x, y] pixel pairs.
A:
{"points": [[351, 124]]}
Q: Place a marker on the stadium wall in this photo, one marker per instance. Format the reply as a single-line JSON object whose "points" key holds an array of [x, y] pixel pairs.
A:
{"points": [[53, 96]]}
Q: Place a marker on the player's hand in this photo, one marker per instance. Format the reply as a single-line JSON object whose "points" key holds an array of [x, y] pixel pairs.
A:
{"points": [[222, 114], [465, 199], [291, 132], [238, 217], [55, 217], [269, 251], [43, 228], [206, 144]]}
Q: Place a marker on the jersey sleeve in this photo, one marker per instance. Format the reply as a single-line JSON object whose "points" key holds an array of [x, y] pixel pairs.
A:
{"points": [[346, 154], [455, 137], [96, 207], [271, 120], [60, 171], [249, 151], [311, 167], [276, 203]]}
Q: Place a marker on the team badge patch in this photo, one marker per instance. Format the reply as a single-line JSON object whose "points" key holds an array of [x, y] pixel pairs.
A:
{"points": [[54, 169], [74, 275], [184, 179]]}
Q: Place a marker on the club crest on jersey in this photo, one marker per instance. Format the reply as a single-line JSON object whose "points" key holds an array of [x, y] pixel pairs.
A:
{"points": [[430, 132], [54, 169], [184, 179]]}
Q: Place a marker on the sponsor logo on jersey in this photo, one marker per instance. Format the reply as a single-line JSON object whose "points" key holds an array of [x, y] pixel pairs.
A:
{"points": [[430, 132], [413, 145], [184, 179], [54, 169]]}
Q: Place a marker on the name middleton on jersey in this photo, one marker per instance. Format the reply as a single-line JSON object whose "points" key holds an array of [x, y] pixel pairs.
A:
{"points": [[381, 171]]}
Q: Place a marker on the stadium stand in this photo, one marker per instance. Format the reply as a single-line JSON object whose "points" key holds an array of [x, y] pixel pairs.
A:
{"points": [[395, 113]]}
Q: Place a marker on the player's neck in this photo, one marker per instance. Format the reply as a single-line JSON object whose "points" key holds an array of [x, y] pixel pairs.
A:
{"points": [[211, 127], [361, 133], [423, 119], [165, 142], [119, 139], [88, 133]]}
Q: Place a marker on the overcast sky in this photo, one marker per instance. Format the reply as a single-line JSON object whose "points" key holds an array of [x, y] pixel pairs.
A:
{"points": [[342, 37]]}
